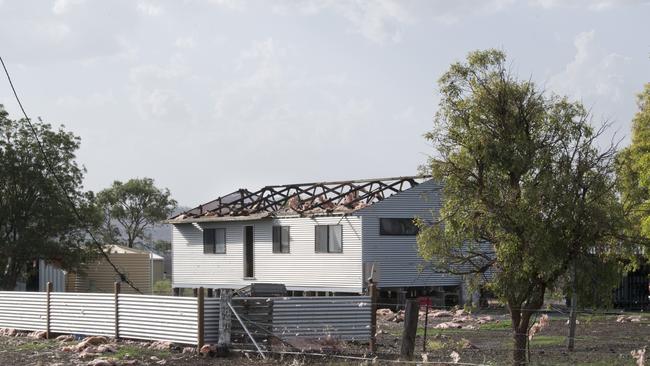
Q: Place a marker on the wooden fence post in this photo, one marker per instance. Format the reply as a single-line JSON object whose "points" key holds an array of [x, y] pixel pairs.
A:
{"points": [[48, 290], [225, 318], [116, 293], [372, 291], [410, 329], [200, 318]]}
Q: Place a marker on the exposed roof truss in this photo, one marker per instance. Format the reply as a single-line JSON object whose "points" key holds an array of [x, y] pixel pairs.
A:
{"points": [[303, 198]]}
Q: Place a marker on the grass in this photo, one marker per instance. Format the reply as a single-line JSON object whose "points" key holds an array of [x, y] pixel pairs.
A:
{"points": [[128, 351], [35, 346], [434, 345], [503, 324], [547, 340]]}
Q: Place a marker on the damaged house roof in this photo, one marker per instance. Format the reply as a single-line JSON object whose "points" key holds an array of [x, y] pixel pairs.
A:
{"points": [[303, 199]]}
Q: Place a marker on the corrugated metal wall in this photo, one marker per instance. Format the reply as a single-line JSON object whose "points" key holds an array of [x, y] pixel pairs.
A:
{"points": [[211, 319], [300, 269], [100, 276], [396, 258], [49, 273], [344, 317], [23, 310], [76, 313], [164, 318]]}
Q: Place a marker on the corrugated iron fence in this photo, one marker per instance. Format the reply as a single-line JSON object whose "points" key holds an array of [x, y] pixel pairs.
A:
{"points": [[177, 319], [344, 317]]}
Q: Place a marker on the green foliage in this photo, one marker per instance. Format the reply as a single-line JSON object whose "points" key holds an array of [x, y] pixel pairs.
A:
{"points": [[525, 191], [633, 166], [131, 208], [36, 219], [162, 287]]}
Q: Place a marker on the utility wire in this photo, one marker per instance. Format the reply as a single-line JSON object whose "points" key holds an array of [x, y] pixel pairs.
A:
{"points": [[52, 171]]}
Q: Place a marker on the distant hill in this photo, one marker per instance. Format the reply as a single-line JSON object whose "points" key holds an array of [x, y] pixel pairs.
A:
{"points": [[164, 231]]}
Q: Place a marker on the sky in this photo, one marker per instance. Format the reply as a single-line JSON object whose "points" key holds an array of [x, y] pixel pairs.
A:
{"points": [[208, 96]]}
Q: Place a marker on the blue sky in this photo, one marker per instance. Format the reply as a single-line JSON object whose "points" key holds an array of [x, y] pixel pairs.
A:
{"points": [[210, 96]]}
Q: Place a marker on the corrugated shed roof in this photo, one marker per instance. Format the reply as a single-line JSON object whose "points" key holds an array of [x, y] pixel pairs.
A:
{"points": [[302, 199]]}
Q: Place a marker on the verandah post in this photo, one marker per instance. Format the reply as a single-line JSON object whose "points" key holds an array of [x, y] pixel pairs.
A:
{"points": [[225, 318], [48, 290], [116, 294], [410, 329], [200, 318], [372, 291]]}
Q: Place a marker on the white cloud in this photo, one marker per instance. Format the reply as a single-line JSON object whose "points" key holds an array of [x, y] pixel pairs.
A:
{"points": [[596, 5], [62, 6], [379, 21], [592, 72], [154, 94], [148, 8], [451, 12], [185, 42]]}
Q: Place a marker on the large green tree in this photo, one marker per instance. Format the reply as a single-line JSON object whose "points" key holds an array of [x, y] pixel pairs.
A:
{"points": [[36, 219], [634, 169], [526, 193], [133, 208]]}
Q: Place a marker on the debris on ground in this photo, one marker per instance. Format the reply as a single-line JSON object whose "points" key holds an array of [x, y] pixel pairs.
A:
{"points": [[39, 334], [161, 345], [9, 332], [449, 325], [630, 318], [65, 338], [540, 324], [639, 356]]}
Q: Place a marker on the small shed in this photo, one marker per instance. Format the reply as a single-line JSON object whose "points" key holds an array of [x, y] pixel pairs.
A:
{"points": [[142, 268]]}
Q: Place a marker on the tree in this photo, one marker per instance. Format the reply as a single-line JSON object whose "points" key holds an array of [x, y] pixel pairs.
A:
{"points": [[36, 219], [526, 194], [131, 208], [634, 169]]}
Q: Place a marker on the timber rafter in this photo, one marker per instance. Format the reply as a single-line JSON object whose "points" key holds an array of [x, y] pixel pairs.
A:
{"points": [[304, 198]]}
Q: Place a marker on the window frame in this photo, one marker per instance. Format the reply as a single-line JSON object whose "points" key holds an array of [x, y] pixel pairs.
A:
{"points": [[214, 244], [382, 232], [280, 246], [329, 240]]}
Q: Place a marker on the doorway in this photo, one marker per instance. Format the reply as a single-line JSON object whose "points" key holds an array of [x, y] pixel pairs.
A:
{"points": [[249, 269]]}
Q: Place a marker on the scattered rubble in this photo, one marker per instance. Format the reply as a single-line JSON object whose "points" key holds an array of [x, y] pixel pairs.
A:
{"points": [[542, 323], [630, 318], [9, 332], [65, 338], [39, 334], [161, 346]]}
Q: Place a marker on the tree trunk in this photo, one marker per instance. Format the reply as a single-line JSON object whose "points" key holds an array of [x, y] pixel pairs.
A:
{"points": [[519, 351], [8, 281], [574, 304], [519, 322]]}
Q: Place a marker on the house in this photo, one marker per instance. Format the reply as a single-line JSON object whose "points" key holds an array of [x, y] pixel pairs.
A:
{"points": [[143, 268], [315, 238]]}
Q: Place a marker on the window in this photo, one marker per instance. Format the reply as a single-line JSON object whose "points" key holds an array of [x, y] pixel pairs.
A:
{"points": [[397, 227], [214, 241], [280, 239], [329, 239]]}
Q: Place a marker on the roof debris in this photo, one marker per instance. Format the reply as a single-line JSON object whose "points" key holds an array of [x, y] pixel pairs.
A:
{"points": [[303, 199]]}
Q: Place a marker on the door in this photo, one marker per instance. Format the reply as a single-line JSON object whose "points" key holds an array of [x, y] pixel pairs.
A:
{"points": [[249, 260]]}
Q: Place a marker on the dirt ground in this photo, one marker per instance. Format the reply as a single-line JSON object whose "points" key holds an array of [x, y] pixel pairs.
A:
{"points": [[601, 340]]}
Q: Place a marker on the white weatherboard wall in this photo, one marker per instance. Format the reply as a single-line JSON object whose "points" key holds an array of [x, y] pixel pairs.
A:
{"points": [[301, 269], [396, 258]]}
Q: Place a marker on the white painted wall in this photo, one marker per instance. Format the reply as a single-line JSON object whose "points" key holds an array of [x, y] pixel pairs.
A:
{"points": [[301, 269], [396, 258]]}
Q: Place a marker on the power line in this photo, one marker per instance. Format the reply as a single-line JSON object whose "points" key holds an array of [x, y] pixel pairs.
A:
{"points": [[52, 171]]}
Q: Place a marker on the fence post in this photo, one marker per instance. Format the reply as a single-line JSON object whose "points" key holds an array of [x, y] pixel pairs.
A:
{"points": [[410, 329], [372, 291], [116, 294], [225, 318], [48, 290], [200, 318]]}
